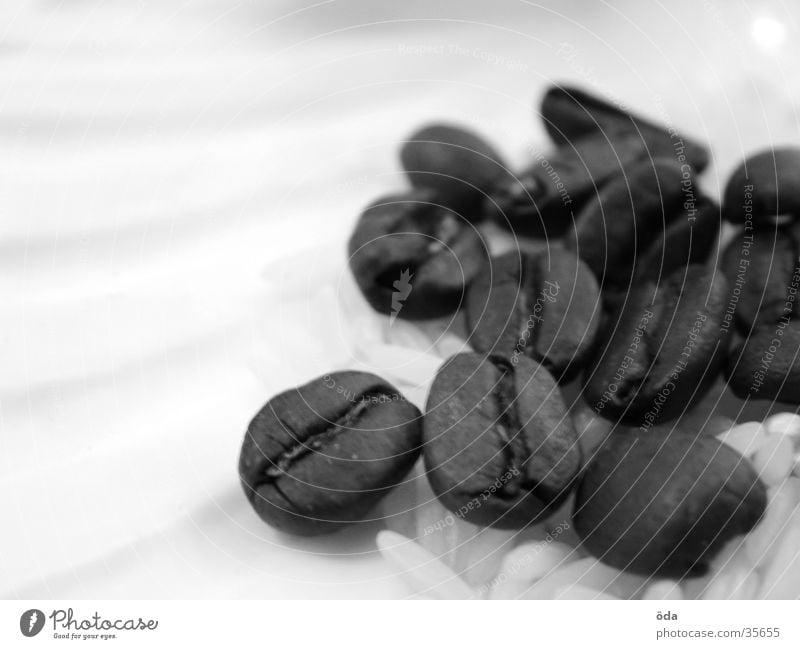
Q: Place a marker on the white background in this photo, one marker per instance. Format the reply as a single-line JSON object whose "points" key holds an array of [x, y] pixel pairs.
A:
{"points": [[177, 183]]}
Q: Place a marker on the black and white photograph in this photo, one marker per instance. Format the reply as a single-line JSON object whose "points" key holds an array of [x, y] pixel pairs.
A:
{"points": [[388, 301]]}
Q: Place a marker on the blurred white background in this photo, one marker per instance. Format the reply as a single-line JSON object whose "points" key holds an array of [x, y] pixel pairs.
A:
{"points": [[177, 183]]}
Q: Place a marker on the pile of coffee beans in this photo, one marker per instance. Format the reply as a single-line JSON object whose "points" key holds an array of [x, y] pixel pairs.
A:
{"points": [[762, 262], [612, 294]]}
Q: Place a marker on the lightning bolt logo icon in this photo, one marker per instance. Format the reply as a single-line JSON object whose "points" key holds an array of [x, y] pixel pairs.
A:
{"points": [[31, 622], [402, 289]]}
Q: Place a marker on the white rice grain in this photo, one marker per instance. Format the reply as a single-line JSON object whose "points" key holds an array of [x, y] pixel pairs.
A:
{"points": [[581, 592], [663, 589], [589, 573], [782, 576], [781, 504], [428, 576], [773, 460], [786, 424], [526, 564], [745, 438]]}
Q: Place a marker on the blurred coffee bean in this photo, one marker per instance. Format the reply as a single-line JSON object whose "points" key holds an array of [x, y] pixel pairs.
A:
{"points": [[500, 448], [543, 199], [630, 215], [688, 239], [545, 306], [413, 258], [456, 163], [322, 455], [767, 364], [666, 348], [763, 269], [764, 187], [664, 505], [570, 114]]}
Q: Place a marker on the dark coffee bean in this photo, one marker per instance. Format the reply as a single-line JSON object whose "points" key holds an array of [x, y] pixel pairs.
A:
{"points": [[627, 216], [764, 187], [458, 164], [413, 258], [763, 269], [569, 114], [665, 505], [666, 348], [322, 455], [688, 239], [767, 364], [544, 306], [544, 198], [500, 448]]}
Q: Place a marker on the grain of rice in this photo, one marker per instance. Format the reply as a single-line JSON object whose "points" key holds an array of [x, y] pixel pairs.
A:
{"points": [[736, 582], [581, 592], [787, 424], [428, 576], [782, 502], [782, 577], [589, 573], [773, 460], [745, 438], [526, 564], [663, 589]]}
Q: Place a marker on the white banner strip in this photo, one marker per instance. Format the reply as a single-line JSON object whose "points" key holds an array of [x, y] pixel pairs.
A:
{"points": [[397, 624]]}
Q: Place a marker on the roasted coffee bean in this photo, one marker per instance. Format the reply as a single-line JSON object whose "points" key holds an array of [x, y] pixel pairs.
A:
{"points": [[545, 306], [458, 164], [500, 448], [322, 455], [570, 114], [763, 269], [629, 215], [688, 239], [666, 348], [767, 364], [765, 187], [544, 198], [664, 505], [413, 258]]}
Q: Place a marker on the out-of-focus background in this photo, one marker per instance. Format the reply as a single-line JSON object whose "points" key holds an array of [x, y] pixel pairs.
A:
{"points": [[177, 182]]}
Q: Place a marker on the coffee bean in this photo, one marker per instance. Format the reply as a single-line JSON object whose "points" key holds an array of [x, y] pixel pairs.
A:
{"points": [[413, 258], [500, 448], [458, 164], [544, 306], [763, 269], [764, 187], [544, 198], [688, 239], [666, 348], [767, 364], [665, 505], [628, 217], [320, 456], [570, 114]]}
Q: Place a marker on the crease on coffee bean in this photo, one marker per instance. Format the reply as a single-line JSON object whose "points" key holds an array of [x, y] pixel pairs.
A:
{"points": [[794, 241], [530, 286], [638, 374], [516, 450], [316, 439], [508, 425], [430, 227], [667, 301]]}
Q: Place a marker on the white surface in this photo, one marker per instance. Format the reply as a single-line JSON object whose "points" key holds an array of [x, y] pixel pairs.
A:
{"points": [[177, 182]]}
